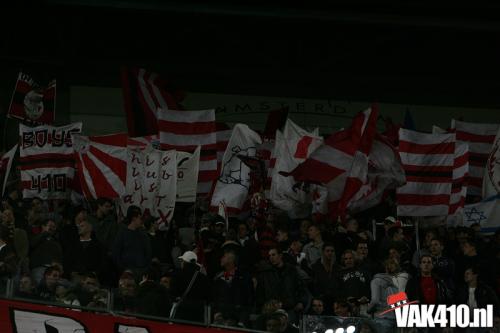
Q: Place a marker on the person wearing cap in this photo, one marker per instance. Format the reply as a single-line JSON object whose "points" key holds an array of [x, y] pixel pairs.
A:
{"points": [[190, 288], [132, 249]]}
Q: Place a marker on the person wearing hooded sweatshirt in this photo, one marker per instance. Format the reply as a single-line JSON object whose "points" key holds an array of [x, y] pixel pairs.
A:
{"points": [[383, 285]]}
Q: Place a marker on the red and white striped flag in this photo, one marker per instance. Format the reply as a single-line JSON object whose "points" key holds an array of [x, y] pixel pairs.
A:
{"points": [[32, 102], [144, 92], [480, 138], [5, 165], [428, 161], [341, 163], [101, 165], [460, 173], [185, 131], [47, 160], [223, 135]]}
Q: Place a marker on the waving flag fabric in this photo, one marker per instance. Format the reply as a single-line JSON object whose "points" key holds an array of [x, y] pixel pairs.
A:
{"points": [[46, 160], [101, 165], [428, 161], [480, 139], [187, 175], [185, 131], [491, 182], [460, 173], [292, 147], [341, 162], [144, 92], [385, 171], [223, 135], [143, 141], [485, 213], [233, 183], [5, 165], [32, 102]]}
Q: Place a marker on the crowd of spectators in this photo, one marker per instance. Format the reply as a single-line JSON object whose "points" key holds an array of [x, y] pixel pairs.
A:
{"points": [[264, 271]]}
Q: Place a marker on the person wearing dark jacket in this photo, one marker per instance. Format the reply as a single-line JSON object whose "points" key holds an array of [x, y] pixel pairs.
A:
{"points": [[86, 253], [8, 262], [281, 281], [353, 283], [475, 293], [233, 288], [426, 287], [190, 288], [324, 274], [45, 249], [132, 249], [152, 298]]}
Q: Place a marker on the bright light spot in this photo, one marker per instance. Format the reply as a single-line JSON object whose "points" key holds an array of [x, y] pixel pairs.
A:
{"points": [[350, 329], [339, 330], [329, 330]]}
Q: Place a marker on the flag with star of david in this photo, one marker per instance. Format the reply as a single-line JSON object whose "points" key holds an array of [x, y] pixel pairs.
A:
{"points": [[486, 213]]}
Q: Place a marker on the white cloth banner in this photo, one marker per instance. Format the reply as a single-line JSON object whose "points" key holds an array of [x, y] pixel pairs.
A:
{"points": [[491, 179], [292, 147], [47, 161], [234, 181], [187, 175], [151, 182]]}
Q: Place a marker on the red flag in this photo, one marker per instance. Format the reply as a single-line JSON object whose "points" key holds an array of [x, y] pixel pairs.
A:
{"points": [[32, 102], [428, 163], [185, 131], [101, 165], [144, 92], [341, 163], [480, 138]]}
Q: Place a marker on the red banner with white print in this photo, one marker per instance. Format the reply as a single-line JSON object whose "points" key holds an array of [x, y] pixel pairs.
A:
{"points": [[17, 317]]}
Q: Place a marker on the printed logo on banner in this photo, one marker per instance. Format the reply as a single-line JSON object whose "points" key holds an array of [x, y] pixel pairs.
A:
{"points": [[121, 328], [234, 171], [30, 321]]}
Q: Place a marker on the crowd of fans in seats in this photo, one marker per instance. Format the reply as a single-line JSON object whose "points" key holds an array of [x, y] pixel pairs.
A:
{"points": [[261, 272]]}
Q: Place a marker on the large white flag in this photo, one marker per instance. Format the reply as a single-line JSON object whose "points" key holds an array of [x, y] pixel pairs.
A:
{"points": [[152, 182], [292, 147], [486, 213], [187, 175], [234, 181], [491, 179]]}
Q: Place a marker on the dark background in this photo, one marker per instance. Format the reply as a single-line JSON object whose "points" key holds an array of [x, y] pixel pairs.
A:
{"points": [[430, 53]]}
